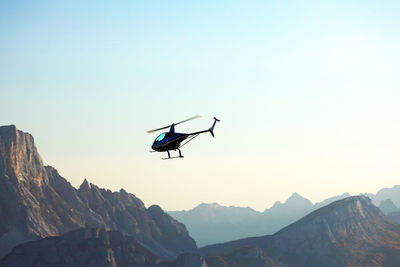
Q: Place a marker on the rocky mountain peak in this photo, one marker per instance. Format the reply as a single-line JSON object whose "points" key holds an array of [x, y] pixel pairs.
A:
{"points": [[85, 185], [341, 215], [19, 159], [348, 232], [294, 203], [296, 198], [341, 224], [35, 202]]}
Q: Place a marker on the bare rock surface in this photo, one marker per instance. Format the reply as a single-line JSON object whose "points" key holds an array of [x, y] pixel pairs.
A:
{"points": [[36, 201]]}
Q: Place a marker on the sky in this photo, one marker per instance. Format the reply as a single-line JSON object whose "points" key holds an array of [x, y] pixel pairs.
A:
{"points": [[307, 93]]}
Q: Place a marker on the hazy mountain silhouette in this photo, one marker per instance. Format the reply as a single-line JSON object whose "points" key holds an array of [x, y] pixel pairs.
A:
{"points": [[387, 206], [213, 223], [348, 232], [330, 200], [388, 200], [392, 193], [35, 202]]}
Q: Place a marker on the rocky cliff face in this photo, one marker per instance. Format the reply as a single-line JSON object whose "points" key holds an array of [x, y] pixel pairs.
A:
{"points": [[349, 232], [92, 247], [35, 201]]}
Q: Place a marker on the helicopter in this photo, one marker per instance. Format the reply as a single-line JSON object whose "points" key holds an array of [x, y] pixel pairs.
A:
{"points": [[171, 140]]}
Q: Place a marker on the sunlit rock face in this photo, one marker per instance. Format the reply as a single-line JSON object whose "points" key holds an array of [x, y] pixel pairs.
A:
{"points": [[35, 201]]}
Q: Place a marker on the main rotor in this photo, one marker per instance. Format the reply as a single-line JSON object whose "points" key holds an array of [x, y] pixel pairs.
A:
{"points": [[174, 124]]}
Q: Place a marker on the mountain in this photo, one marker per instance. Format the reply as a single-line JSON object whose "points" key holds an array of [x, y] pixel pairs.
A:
{"points": [[213, 223], [330, 200], [394, 216], [392, 193], [387, 206], [281, 215], [348, 232], [35, 202], [92, 247]]}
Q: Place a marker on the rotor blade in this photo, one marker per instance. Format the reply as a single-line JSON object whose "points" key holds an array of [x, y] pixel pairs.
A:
{"points": [[155, 130], [191, 118]]}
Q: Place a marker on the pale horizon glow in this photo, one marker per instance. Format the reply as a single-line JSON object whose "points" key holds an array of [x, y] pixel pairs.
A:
{"points": [[307, 93]]}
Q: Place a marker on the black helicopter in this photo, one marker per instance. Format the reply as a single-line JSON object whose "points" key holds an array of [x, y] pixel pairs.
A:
{"points": [[172, 141]]}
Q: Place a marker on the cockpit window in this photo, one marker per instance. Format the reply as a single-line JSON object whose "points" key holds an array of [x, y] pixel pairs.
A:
{"points": [[160, 137]]}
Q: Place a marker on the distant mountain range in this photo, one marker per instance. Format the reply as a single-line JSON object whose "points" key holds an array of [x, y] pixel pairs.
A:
{"points": [[213, 223], [44, 221], [348, 232]]}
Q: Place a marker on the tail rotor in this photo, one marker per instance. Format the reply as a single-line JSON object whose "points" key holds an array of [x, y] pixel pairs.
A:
{"points": [[212, 127]]}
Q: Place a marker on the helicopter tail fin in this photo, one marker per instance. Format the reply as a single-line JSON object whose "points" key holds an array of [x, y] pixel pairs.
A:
{"points": [[212, 127]]}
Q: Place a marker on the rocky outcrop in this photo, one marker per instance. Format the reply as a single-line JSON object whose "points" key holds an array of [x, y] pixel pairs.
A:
{"points": [[35, 202], [349, 232], [92, 247]]}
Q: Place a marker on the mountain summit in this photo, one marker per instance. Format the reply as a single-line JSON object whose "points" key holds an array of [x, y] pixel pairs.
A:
{"points": [[213, 223], [35, 202], [348, 232]]}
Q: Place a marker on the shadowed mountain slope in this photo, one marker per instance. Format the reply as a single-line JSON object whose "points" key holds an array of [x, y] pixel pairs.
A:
{"points": [[349, 232], [35, 202], [92, 247]]}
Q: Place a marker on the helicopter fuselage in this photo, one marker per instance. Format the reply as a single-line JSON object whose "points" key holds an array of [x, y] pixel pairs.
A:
{"points": [[172, 141], [168, 141]]}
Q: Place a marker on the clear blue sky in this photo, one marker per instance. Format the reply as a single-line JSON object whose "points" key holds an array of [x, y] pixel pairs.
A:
{"points": [[307, 93]]}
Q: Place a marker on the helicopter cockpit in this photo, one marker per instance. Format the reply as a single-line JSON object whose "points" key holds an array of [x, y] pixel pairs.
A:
{"points": [[160, 138]]}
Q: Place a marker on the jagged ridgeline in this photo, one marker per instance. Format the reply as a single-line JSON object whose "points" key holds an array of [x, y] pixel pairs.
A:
{"points": [[90, 226], [348, 232], [36, 202]]}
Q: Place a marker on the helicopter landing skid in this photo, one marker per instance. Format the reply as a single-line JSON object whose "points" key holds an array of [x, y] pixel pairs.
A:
{"points": [[169, 156], [177, 157]]}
